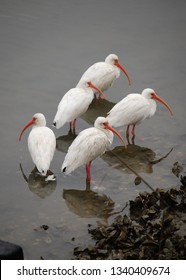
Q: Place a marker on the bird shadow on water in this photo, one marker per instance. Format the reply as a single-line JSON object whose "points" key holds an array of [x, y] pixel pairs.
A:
{"points": [[38, 184]]}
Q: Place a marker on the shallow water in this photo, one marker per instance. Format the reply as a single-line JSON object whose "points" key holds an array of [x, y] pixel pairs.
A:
{"points": [[45, 47]]}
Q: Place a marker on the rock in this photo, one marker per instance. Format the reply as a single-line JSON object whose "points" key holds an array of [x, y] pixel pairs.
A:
{"points": [[10, 251]]}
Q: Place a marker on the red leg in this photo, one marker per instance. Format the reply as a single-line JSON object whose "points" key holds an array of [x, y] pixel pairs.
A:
{"points": [[133, 130], [127, 130], [74, 124], [87, 185], [128, 140], [88, 165]]}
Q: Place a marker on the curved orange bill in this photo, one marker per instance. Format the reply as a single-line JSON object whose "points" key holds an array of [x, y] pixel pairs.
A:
{"points": [[108, 126], [163, 102], [97, 89], [124, 71], [25, 127]]}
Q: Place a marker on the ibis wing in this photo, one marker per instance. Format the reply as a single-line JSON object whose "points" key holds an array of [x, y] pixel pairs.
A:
{"points": [[94, 68], [88, 145], [73, 104], [101, 74], [42, 145], [130, 110]]}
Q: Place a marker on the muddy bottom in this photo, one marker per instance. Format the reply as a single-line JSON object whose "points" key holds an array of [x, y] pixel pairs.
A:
{"points": [[154, 229]]}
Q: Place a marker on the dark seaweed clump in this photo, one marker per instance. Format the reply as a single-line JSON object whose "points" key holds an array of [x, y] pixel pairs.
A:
{"points": [[154, 229]]}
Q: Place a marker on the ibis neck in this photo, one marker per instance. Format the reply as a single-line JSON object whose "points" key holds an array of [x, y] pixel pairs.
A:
{"points": [[152, 107], [109, 135]]}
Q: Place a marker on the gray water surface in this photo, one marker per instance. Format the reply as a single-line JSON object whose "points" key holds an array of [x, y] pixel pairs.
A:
{"points": [[45, 48]]}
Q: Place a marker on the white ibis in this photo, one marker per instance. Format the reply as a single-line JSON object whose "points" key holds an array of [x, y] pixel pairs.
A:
{"points": [[75, 103], [135, 108], [41, 143], [103, 74], [88, 145]]}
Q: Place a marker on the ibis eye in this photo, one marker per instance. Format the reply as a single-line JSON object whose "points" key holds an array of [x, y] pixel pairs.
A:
{"points": [[105, 123]]}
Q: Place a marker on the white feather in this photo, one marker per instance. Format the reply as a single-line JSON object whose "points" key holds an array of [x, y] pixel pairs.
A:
{"points": [[42, 145], [102, 74], [131, 110], [88, 145], [73, 104]]}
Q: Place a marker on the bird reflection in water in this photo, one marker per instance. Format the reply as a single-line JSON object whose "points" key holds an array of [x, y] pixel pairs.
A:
{"points": [[90, 204], [139, 159], [38, 184], [98, 107], [63, 142]]}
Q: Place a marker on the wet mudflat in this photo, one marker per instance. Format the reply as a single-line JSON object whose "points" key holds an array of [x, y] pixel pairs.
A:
{"points": [[45, 48]]}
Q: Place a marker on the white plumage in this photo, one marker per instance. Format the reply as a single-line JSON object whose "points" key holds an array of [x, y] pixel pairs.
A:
{"points": [[135, 108], [103, 74], [41, 143], [75, 103], [88, 145]]}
